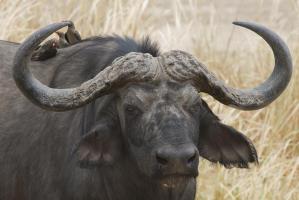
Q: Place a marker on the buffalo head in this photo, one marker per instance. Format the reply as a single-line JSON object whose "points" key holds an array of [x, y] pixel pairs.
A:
{"points": [[163, 124]]}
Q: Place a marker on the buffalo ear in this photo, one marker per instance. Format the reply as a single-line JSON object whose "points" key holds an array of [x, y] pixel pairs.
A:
{"points": [[98, 147], [223, 144]]}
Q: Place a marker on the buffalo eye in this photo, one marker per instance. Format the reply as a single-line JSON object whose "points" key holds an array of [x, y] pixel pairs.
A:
{"points": [[193, 109], [132, 110]]}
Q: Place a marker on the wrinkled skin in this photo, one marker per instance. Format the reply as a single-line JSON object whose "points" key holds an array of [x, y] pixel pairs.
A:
{"points": [[113, 148]]}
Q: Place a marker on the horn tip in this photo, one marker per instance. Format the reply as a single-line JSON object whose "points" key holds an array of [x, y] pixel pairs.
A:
{"points": [[239, 23], [68, 22], [246, 24]]}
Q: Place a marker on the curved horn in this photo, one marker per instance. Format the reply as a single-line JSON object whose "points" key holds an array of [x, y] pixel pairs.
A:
{"points": [[183, 66], [132, 67], [268, 91]]}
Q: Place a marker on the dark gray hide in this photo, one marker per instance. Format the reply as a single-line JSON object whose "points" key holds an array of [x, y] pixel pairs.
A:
{"points": [[142, 141]]}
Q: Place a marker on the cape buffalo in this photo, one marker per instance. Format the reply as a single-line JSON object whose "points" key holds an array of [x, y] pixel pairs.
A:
{"points": [[130, 125]]}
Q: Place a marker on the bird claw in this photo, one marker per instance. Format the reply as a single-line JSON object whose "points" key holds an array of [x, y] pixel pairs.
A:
{"points": [[72, 36]]}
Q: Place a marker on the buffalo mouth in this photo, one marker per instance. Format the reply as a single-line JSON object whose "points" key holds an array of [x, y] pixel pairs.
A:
{"points": [[175, 180]]}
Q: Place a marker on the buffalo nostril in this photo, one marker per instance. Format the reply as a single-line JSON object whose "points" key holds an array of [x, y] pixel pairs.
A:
{"points": [[161, 160], [192, 159]]}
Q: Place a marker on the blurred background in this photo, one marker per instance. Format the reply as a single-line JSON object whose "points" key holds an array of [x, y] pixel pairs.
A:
{"points": [[236, 55]]}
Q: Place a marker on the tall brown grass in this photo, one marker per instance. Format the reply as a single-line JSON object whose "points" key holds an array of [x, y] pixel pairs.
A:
{"points": [[236, 55]]}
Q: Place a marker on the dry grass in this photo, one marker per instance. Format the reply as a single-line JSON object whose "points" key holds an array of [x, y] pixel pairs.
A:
{"points": [[235, 55]]}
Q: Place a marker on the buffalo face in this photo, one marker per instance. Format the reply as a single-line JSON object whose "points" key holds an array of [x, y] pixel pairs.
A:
{"points": [[160, 124]]}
